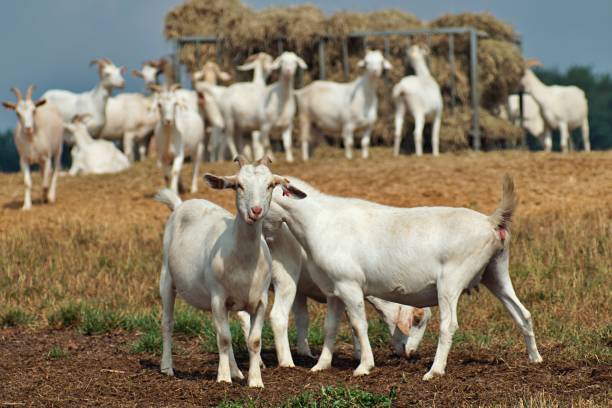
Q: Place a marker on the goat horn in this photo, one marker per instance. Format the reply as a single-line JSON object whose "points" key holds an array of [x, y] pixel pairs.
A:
{"points": [[17, 93], [265, 160], [533, 62], [241, 160], [31, 89]]}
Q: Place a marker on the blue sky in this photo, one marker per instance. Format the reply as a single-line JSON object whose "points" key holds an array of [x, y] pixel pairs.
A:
{"points": [[51, 42]]}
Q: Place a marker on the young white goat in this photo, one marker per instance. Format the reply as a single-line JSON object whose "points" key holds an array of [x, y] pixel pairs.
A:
{"points": [[342, 109], [178, 134], [93, 156], [420, 94], [563, 107], [220, 262], [38, 138], [150, 72], [293, 284], [421, 257], [92, 102]]}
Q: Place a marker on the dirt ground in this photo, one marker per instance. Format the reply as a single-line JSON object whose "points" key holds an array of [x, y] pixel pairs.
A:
{"points": [[100, 371], [113, 229]]}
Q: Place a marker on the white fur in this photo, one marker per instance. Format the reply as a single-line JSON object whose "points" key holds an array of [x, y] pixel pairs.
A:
{"points": [[38, 138], [220, 262], [563, 108], [342, 109], [94, 156], [420, 95], [179, 133], [421, 257]]}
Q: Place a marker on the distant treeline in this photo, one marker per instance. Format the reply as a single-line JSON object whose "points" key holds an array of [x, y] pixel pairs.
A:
{"points": [[597, 87]]}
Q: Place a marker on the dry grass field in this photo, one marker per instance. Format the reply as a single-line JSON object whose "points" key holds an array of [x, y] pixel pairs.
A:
{"points": [[79, 304]]}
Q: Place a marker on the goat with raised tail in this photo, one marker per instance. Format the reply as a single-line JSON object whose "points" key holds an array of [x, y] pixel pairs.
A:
{"points": [[420, 95], [424, 256], [220, 262], [92, 102], [563, 108], [38, 138]]}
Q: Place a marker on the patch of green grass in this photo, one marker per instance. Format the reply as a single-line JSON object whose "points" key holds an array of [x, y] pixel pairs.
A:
{"points": [[66, 316], [243, 403], [144, 322], [378, 332], [16, 317], [97, 321], [316, 333], [341, 397], [57, 352], [188, 321], [149, 342]]}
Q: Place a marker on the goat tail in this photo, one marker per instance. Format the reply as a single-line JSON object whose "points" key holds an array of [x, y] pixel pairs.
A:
{"points": [[502, 216], [396, 94], [168, 197]]}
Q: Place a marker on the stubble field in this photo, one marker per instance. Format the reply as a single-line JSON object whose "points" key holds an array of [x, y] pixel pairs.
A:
{"points": [[79, 305]]}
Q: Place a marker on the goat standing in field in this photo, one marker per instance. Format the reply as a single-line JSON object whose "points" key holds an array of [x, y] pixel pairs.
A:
{"points": [[532, 118], [420, 95], [38, 138], [150, 72], [562, 107], [220, 262], [293, 284], [178, 134], [421, 257], [342, 109], [92, 102]]}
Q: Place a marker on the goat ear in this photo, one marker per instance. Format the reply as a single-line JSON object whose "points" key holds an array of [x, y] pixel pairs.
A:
{"points": [[387, 65], [246, 67], [155, 88], [136, 73], [40, 102], [289, 190], [69, 127], [220, 183], [9, 105], [361, 63], [224, 76], [265, 160], [302, 63]]}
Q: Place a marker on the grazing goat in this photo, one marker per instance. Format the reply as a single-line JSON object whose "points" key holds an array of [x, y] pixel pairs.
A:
{"points": [[420, 95], [293, 284], [342, 109], [255, 107], [562, 107], [421, 257], [220, 262], [38, 138], [532, 118], [92, 102], [93, 156], [178, 134]]}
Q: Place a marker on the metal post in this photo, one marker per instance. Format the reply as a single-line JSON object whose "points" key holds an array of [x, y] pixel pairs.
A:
{"points": [[407, 66], [474, 86], [387, 51], [364, 39], [322, 58], [197, 56], [279, 45], [523, 141], [345, 62], [451, 62], [175, 63], [219, 51]]}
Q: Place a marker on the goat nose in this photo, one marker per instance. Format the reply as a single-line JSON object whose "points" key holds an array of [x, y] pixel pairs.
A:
{"points": [[256, 210]]}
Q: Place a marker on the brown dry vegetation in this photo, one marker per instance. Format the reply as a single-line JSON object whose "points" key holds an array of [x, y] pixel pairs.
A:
{"points": [[100, 247]]}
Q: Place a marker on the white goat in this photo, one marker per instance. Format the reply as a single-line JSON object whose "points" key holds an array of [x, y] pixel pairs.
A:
{"points": [[150, 72], [563, 107], [93, 156], [92, 102], [342, 109], [210, 74], [255, 107], [38, 138], [220, 262], [532, 118], [421, 257], [131, 117], [420, 94], [293, 284], [178, 134]]}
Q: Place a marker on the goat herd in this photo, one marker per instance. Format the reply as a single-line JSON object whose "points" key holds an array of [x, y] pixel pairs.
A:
{"points": [[286, 234]]}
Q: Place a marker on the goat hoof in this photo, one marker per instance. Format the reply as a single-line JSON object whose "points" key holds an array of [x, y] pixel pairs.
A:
{"points": [[168, 371], [431, 375], [237, 375], [320, 367], [537, 359], [256, 383]]}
